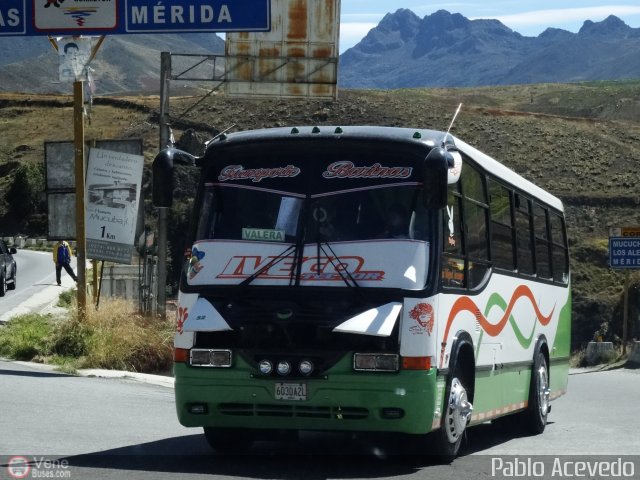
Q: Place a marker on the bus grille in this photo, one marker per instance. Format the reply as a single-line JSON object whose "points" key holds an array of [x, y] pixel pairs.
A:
{"points": [[293, 411]]}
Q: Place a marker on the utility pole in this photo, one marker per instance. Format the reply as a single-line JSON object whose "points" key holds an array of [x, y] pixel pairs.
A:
{"points": [[81, 243], [79, 171], [625, 316], [165, 78]]}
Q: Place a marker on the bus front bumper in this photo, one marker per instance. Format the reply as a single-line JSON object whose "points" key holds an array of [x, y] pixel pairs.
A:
{"points": [[402, 402]]}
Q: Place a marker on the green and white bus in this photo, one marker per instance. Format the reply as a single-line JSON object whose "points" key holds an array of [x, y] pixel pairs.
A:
{"points": [[366, 279]]}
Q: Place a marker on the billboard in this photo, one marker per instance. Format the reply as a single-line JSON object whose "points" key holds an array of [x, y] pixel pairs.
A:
{"points": [[297, 58], [110, 17], [61, 184], [113, 183], [60, 179]]}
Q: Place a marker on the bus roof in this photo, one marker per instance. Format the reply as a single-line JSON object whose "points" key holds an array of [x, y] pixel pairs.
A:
{"points": [[329, 132], [419, 137]]}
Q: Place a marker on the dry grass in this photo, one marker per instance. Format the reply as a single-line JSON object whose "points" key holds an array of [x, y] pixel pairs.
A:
{"points": [[115, 337], [122, 339]]}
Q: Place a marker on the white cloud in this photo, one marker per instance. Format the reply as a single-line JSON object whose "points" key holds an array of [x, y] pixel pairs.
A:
{"points": [[352, 32], [361, 17], [354, 26], [547, 18]]}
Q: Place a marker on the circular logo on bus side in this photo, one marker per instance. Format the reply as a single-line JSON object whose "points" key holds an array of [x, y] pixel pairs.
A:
{"points": [[18, 467]]}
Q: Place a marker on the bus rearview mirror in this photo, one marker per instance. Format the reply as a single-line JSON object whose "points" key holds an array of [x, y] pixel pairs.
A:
{"points": [[435, 178], [162, 171]]}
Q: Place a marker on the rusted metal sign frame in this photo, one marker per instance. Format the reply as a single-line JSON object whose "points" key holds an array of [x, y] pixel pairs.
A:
{"points": [[297, 58]]}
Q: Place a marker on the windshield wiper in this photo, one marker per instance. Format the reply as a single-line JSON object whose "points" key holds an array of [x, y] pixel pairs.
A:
{"points": [[274, 261], [348, 278]]}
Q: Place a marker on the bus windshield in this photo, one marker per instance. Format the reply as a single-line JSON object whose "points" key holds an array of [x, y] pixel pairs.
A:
{"points": [[231, 213], [345, 218]]}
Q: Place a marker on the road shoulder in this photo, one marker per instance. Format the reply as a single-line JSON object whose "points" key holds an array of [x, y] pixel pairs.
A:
{"points": [[159, 380]]}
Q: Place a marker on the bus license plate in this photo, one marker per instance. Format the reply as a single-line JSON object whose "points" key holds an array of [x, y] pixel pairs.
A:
{"points": [[291, 391]]}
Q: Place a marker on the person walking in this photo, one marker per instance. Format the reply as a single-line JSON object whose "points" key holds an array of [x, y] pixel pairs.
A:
{"points": [[62, 258]]}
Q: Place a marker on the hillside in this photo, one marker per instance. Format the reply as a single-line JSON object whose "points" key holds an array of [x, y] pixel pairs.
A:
{"points": [[579, 141], [124, 63]]}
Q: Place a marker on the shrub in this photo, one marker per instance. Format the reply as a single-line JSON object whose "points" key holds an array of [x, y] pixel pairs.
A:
{"points": [[122, 339], [70, 338], [66, 299], [114, 337], [26, 336], [25, 194]]}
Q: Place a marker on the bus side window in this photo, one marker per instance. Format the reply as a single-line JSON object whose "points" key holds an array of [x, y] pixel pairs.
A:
{"points": [[502, 231], [543, 245], [465, 260], [560, 253], [525, 251], [475, 212], [475, 217], [452, 268]]}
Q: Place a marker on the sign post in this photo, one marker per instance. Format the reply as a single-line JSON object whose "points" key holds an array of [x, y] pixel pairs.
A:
{"points": [[76, 73], [78, 126], [624, 253]]}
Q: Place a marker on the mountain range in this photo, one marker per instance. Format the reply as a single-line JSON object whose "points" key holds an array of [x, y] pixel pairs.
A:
{"points": [[124, 63], [440, 50], [449, 50]]}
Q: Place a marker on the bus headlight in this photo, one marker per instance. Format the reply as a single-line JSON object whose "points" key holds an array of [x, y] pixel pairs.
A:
{"points": [[201, 357], [265, 367], [305, 367], [376, 362], [284, 367]]}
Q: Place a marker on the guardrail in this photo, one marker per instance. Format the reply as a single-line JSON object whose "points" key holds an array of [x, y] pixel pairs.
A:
{"points": [[31, 242]]}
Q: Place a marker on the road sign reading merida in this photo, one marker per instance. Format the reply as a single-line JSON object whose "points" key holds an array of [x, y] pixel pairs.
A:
{"points": [[105, 17], [624, 247]]}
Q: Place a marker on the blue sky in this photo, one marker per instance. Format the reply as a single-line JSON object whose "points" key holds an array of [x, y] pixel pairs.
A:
{"points": [[529, 18]]}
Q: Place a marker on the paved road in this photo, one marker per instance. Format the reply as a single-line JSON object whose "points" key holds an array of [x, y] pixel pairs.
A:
{"points": [[36, 285], [108, 428]]}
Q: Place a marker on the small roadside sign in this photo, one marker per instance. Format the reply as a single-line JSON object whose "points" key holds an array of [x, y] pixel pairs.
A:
{"points": [[56, 16], [624, 247]]}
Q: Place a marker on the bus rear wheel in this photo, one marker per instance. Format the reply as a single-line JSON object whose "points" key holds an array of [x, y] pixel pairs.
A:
{"points": [[534, 418], [228, 440]]}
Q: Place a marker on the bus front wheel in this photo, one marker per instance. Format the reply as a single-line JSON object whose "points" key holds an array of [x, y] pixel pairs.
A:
{"points": [[456, 416], [227, 440]]}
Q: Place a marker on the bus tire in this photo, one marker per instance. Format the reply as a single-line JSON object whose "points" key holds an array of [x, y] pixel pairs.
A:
{"points": [[457, 411], [534, 418], [228, 440]]}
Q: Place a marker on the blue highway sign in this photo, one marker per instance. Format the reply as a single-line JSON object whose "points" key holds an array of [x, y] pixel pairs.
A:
{"points": [[117, 17], [12, 17], [624, 252]]}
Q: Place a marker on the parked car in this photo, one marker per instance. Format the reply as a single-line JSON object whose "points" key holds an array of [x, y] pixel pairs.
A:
{"points": [[8, 268]]}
